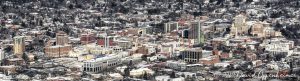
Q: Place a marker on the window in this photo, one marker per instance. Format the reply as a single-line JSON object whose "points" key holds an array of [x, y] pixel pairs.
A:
{"points": [[84, 69]]}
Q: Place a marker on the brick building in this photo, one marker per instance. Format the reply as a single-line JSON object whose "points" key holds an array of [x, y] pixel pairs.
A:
{"points": [[57, 51], [87, 38]]}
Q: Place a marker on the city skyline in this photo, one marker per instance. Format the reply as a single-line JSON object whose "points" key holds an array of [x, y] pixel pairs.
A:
{"points": [[149, 40]]}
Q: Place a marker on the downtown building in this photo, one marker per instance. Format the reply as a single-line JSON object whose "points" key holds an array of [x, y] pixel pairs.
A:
{"points": [[106, 41], [170, 26], [62, 38], [19, 45], [102, 63], [192, 55], [277, 46], [87, 38], [2, 54], [239, 26], [263, 30], [61, 49], [196, 33], [58, 51]]}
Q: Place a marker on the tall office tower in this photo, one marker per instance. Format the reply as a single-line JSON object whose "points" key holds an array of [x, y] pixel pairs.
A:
{"points": [[196, 33], [239, 25], [61, 38], [191, 55], [171, 26], [19, 45], [2, 55]]}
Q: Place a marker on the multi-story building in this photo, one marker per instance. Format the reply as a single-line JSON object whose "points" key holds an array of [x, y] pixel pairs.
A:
{"points": [[239, 25], [2, 55], [191, 55], [124, 44], [105, 41], [142, 50], [278, 46], [11, 69], [19, 45], [177, 65], [102, 63], [101, 50], [210, 60], [87, 38], [94, 65], [262, 29], [196, 33], [258, 30], [168, 27], [57, 51], [270, 32], [77, 51], [15, 61], [251, 56], [62, 38]]}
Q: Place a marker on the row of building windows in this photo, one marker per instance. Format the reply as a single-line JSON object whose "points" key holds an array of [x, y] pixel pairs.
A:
{"points": [[96, 69]]}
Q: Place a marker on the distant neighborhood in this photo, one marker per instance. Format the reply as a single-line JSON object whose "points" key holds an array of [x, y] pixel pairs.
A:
{"points": [[149, 40]]}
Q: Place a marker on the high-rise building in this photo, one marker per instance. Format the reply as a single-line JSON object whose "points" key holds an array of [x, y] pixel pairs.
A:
{"points": [[239, 25], [196, 33], [19, 45], [61, 38], [171, 26], [191, 55], [2, 55]]}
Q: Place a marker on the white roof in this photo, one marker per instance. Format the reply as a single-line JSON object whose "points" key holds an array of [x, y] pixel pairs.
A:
{"points": [[117, 75]]}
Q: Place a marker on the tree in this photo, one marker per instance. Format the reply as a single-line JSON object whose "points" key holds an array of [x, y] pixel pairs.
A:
{"points": [[297, 4], [189, 78], [8, 49], [23, 25], [25, 57], [237, 5], [144, 57], [71, 6], [4, 62], [169, 6], [277, 26], [79, 6], [127, 72], [130, 63], [278, 57], [145, 76], [236, 0], [29, 47], [291, 66], [230, 67], [249, 1], [214, 68], [211, 1], [41, 23], [268, 5], [220, 2], [263, 18], [36, 58], [173, 75]]}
